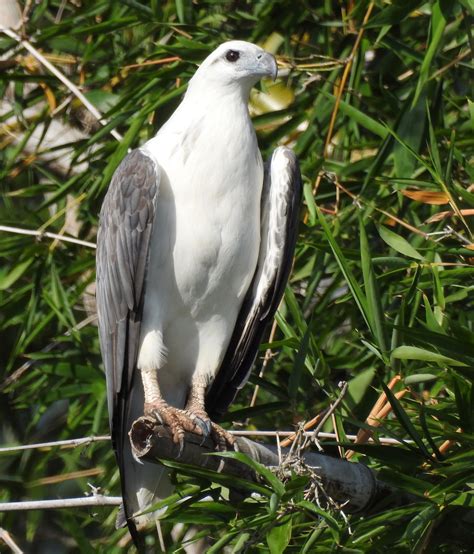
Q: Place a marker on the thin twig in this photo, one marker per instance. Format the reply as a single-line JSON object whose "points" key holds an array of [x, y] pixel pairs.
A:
{"points": [[73, 443], [41, 234], [343, 386], [95, 500], [388, 214], [7, 539], [55, 71], [307, 426]]}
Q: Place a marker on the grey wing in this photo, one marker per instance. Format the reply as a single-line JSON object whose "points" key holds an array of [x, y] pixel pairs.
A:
{"points": [[281, 198], [123, 244]]}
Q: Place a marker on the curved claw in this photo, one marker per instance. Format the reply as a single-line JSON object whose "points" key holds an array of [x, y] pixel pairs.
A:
{"points": [[181, 447], [158, 417], [205, 426]]}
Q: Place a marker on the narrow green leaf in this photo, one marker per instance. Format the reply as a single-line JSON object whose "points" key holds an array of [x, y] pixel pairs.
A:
{"points": [[275, 483], [420, 378], [354, 287], [372, 292], [359, 117], [9, 279], [398, 243], [437, 26], [240, 543], [404, 419], [416, 353]]}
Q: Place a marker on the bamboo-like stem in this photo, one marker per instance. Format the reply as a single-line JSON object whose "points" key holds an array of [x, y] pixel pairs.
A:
{"points": [[84, 441], [8, 540], [41, 234], [87, 501]]}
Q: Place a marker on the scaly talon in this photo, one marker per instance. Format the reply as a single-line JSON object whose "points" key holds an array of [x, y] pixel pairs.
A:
{"points": [[177, 420]]}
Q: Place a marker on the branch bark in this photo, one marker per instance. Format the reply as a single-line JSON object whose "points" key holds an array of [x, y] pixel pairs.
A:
{"points": [[352, 484]]}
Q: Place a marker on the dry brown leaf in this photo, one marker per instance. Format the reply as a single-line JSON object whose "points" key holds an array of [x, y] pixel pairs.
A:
{"points": [[427, 196], [441, 215]]}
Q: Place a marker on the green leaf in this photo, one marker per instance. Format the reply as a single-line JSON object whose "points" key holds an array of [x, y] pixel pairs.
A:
{"points": [[437, 26], [356, 291], [420, 378], [405, 420], [416, 353], [279, 536], [9, 279], [398, 243], [375, 310], [275, 483], [359, 117]]}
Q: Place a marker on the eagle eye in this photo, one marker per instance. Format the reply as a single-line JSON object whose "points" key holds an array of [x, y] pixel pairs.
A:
{"points": [[232, 55]]}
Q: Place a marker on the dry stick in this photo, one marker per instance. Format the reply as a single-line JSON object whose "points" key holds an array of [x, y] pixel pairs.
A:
{"points": [[388, 214], [41, 234], [382, 400], [95, 500], [7, 539], [340, 90], [345, 482], [375, 421], [308, 425], [85, 441], [332, 408], [319, 420], [70, 443], [448, 443], [69, 84]]}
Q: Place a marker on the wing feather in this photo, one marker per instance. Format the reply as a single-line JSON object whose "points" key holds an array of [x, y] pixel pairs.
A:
{"points": [[123, 244], [281, 198]]}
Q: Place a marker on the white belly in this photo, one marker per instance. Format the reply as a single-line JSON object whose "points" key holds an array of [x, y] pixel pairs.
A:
{"points": [[206, 240]]}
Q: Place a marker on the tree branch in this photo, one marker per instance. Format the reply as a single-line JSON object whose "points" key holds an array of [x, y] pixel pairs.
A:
{"points": [[41, 234], [95, 500], [8, 540], [348, 483], [84, 441]]}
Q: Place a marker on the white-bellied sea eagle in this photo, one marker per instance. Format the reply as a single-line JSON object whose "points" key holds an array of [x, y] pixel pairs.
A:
{"points": [[194, 249]]}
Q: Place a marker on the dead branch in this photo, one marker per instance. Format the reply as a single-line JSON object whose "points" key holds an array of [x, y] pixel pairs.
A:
{"points": [[41, 234], [85, 441], [8, 540], [87, 501], [348, 483]]}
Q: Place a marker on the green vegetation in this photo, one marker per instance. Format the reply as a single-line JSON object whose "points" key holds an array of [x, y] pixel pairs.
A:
{"points": [[383, 277]]}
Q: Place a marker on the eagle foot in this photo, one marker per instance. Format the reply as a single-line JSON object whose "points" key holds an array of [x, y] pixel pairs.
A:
{"points": [[177, 421], [222, 438]]}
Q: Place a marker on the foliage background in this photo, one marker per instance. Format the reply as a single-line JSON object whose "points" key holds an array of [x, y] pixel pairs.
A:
{"points": [[382, 283]]}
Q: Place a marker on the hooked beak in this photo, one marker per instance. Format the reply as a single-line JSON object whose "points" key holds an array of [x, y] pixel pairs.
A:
{"points": [[267, 64]]}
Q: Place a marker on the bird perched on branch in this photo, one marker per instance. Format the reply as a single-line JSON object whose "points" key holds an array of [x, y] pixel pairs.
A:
{"points": [[194, 249]]}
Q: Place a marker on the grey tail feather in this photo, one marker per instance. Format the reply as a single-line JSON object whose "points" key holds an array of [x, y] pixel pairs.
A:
{"points": [[121, 519]]}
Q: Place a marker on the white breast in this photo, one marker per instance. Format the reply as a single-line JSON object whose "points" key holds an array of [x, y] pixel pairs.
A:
{"points": [[206, 239]]}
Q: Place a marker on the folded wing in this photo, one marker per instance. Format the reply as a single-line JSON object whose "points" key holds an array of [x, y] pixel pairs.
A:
{"points": [[123, 244], [281, 197]]}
